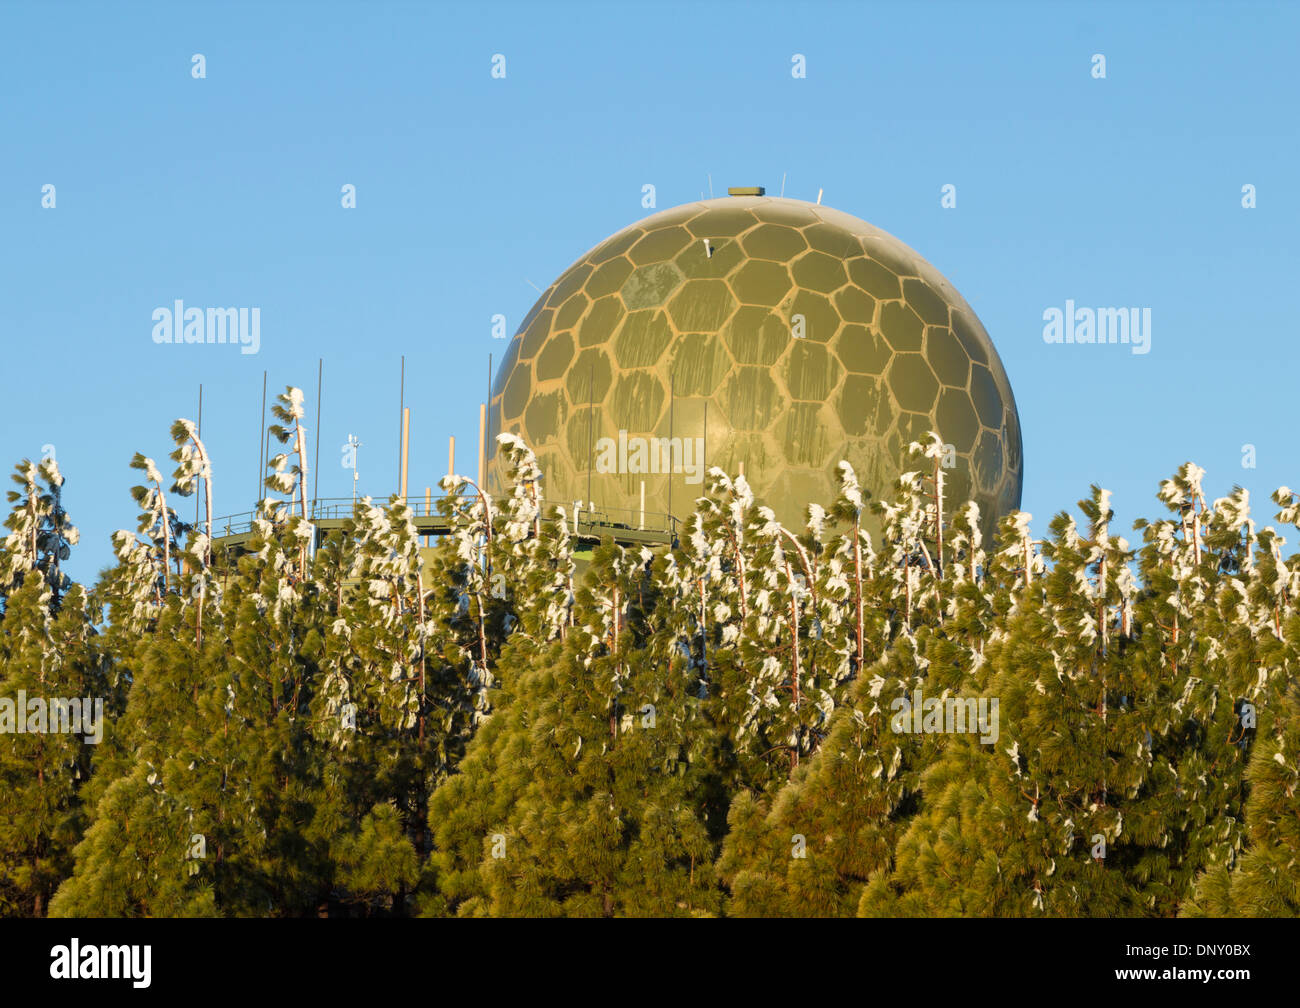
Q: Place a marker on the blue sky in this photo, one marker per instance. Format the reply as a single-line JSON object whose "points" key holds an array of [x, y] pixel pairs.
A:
{"points": [[1125, 191]]}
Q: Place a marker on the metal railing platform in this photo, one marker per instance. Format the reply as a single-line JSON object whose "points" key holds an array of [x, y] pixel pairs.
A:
{"points": [[328, 514]]}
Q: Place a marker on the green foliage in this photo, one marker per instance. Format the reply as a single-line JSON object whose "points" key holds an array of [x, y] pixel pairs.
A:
{"points": [[353, 725]]}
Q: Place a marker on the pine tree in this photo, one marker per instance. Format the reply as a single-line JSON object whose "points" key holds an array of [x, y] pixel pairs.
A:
{"points": [[590, 748], [810, 849], [211, 789], [45, 662], [50, 659], [1015, 826], [40, 534], [1265, 882]]}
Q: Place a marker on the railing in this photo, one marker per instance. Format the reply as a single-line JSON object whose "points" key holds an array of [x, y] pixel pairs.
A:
{"points": [[579, 518]]}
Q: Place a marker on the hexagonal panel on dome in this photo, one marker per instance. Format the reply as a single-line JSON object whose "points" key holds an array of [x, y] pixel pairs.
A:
{"points": [[673, 216], [534, 337], [970, 337], [955, 416], [756, 335], [820, 272], [901, 326], [957, 483], [760, 282], [820, 319], [912, 382], [806, 433], [644, 336], [590, 377], [782, 211], [698, 362], [583, 428], [832, 241], [555, 357], [602, 321], [573, 308], [517, 391], [555, 471], [863, 405], [708, 258], [609, 277], [912, 427], [570, 282], [507, 365], [863, 350], [947, 356], [789, 492], [1011, 437], [773, 242], [659, 244], [538, 305], [923, 300], [722, 222], [984, 393], [755, 451], [855, 305], [751, 398], [875, 279], [649, 286], [988, 462], [701, 306], [893, 255], [546, 413], [637, 401], [811, 371], [616, 245]]}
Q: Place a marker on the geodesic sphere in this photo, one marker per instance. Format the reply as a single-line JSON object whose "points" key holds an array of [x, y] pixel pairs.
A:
{"points": [[772, 334]]}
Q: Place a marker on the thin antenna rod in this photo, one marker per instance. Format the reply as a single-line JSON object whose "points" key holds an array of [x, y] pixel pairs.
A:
{"points": [[320, 379], [261, 446], [672, 403], [710, 187], [783, 175], [401, 405], [406, 452], [482, 442], [487, 451], [591, 414], [200, 432]]}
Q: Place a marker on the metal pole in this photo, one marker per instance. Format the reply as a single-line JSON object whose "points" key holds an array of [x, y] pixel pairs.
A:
{"points": [[591, 417], [406, 446], [401, 405], [200, 433], [261, 447], [672, 403], [315, 488], [482, 441]]}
